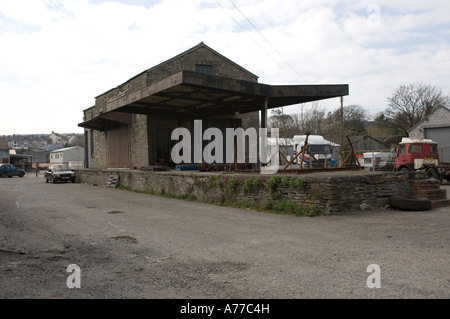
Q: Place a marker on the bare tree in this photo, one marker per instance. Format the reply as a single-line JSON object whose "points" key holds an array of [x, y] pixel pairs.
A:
{"points": [[409, 104], [311, 119], [354, 119], [284, 122]]}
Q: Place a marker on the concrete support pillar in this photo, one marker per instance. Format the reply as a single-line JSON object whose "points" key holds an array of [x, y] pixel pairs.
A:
{"points": [[264, 113]]}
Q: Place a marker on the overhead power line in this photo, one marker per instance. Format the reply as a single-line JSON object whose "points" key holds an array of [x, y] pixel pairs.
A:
{"points": [[268, 42], [328, 104], [253, 39]]}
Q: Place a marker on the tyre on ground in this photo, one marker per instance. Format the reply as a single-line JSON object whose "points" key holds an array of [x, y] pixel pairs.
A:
{"points": [[410, 202]]}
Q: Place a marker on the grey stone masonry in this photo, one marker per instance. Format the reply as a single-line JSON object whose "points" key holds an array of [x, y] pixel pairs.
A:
{"points": [[330, 193], [440, 118], [143, 131]]}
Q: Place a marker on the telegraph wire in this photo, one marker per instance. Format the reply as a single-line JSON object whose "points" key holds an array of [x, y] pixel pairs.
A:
{"points": [[268, 42], [253, 39], [326, 103]]}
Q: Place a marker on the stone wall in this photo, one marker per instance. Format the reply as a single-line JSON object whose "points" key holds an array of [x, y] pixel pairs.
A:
{"points": [[329, 193], [138, 141], [96, 149]]}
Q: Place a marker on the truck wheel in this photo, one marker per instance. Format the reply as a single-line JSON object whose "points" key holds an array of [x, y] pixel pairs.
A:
{"points": [[431, 173], [404, 169], [409, 202]]}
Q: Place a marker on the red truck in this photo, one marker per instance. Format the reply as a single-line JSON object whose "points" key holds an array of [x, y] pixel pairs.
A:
{"points": [[421, 155]]}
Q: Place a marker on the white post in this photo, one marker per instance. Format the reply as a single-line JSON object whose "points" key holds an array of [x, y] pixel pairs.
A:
{"points": [[373, 161]]}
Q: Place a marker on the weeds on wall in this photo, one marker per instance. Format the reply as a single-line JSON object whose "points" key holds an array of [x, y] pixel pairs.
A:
{"points": [[163, 193], [229, 187]]}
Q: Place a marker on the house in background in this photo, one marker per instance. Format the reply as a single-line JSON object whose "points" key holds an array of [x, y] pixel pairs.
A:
{"points": [[57, 139], [362, 143], [68, 155], [26, 141], [30, 149], [4, 151], [39, 155], [391, 142], [436, 127], [365, 143]]}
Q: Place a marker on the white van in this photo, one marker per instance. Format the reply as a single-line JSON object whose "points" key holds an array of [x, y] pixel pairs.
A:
{"points": [[317, 145]]}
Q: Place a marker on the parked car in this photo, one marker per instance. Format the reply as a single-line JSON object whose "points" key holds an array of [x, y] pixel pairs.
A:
{"points": [[9, 170], [59, 173]]}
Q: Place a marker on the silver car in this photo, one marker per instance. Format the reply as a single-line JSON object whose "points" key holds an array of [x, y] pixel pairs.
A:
{"points": [[59, 173]]}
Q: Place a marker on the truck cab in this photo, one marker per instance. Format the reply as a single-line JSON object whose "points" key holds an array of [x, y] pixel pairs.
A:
{"points": [[416, 154]]}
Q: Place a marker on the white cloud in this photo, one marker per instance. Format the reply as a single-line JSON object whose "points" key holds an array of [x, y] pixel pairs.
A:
{"points": [[57, 55]]}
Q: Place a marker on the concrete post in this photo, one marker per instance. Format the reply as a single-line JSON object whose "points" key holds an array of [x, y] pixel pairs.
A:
{"points": [[264, 113]]}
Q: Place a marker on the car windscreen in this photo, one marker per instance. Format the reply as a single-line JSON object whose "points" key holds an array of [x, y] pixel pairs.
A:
{"points": [[61, 168]]}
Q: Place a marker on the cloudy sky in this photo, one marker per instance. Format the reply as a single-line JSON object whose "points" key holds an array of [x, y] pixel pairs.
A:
{"points": [[56, 56]]}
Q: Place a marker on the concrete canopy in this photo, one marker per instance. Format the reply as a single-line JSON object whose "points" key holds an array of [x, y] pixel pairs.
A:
{"points": [[192, 95]]}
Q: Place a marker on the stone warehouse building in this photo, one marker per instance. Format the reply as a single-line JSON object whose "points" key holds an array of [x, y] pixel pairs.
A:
{"points": [[131, 125], [436, 127]]}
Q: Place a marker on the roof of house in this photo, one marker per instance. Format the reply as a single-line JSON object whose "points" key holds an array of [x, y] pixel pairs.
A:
{"points": [[178, 56], [198, 46], [187, 95], [192, 95], [362, 142], [427, 117], [66, 149], [365, 140], [389, 140]]}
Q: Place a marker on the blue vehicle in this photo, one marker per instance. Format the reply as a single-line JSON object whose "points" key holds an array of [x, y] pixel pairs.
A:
{"points": [[9, 170]]}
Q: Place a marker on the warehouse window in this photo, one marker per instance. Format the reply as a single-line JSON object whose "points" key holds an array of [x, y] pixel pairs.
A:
{"points": [[202, 68]]}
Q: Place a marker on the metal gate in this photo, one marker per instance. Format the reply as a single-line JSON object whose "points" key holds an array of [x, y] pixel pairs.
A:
{"points": [[118, 147], [441, 135]]}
